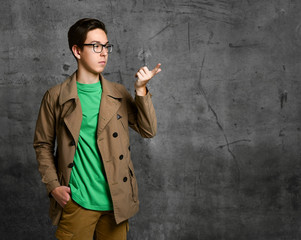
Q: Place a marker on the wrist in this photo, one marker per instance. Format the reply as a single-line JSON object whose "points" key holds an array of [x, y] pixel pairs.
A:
{"points": [[142, 91]]}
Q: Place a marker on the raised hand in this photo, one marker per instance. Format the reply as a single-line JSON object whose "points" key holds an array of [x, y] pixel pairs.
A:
{"points": [[144, 75]]}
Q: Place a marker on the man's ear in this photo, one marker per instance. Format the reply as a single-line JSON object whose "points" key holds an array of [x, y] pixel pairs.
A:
{"points": [[76, 51]]}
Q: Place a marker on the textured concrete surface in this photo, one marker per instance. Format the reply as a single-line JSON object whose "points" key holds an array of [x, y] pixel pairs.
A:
{"points": [[226, 163]]}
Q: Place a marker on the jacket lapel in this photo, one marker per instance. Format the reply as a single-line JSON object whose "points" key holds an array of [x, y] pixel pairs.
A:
{"points": [[71, 108], [109, 104]]}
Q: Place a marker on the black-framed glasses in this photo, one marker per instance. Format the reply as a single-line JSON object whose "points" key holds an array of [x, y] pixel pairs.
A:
{"points": [[98, 47]]}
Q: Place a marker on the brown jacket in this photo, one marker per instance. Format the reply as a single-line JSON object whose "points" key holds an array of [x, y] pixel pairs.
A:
{"points": [[57, 133]]}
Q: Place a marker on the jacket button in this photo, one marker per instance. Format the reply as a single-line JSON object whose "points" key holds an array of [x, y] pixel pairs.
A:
{"points": [[115, 134], [71, 165], [129, 148], [121, 157], [72, 142], [125, 179]]}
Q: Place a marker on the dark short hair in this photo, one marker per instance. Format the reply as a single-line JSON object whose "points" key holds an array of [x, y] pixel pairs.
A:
{"points": [[77, 33]]}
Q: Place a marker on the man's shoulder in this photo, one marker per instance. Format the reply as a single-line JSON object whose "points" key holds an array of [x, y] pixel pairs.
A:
{"points": [[55, 91], [117, 86]]}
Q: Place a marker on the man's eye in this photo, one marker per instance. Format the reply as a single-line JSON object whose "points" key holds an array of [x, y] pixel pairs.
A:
{"points": [[96, 46]]}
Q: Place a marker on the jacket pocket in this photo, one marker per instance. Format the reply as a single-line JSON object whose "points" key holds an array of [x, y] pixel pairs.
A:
{"points": [[134, 186]]}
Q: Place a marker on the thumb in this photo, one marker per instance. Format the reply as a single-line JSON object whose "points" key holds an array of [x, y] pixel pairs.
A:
{"points": [[68, 190]]}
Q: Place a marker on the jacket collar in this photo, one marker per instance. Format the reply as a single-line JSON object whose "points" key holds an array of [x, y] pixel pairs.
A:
{"points": [[69, 89]]}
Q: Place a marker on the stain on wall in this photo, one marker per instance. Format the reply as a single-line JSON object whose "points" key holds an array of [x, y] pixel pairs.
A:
{"points": [[226, 162]]}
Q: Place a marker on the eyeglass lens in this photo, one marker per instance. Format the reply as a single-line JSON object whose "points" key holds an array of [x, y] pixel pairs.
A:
{"points": [[98, 48]]}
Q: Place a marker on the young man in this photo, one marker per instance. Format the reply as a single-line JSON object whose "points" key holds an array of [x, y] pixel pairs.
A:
{"points": [[82, 141]]}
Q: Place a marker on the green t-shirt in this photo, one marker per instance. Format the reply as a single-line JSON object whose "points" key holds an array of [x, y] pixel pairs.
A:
{"points": [[89, 187]]}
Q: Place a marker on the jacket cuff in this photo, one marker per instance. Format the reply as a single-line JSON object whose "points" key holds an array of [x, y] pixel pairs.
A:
{"points": [[143, 98], [52, 185]]}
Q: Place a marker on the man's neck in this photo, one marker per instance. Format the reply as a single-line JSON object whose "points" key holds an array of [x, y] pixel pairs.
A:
{"points": [[86, 77]]}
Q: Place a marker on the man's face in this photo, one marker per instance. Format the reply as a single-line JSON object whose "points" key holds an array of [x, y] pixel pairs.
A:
{"points": [[89, 60]]}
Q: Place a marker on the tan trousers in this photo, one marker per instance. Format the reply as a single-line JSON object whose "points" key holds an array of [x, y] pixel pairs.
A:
{"points": [[78, 223]]}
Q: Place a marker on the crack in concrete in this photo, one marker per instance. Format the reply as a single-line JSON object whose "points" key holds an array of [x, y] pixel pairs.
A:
{"points": [[234, 142], [161, 31], [203, 92]]}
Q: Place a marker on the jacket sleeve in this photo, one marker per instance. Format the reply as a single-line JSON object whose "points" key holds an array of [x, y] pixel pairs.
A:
{"points": [[44, 143], [142, 115]]}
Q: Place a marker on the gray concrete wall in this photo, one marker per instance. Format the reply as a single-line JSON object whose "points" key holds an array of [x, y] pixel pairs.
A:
{"points": [[226, 162]]}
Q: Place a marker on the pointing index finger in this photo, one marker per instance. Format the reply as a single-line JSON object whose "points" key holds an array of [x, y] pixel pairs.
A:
{"points": [[157, 68]]}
